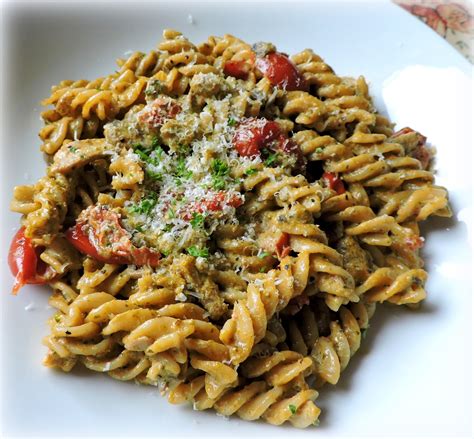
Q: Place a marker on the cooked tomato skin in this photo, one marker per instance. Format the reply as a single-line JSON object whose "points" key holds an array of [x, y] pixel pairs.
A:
{"points": [[334, 182], [253, 135], [282, 246], [214, 204], [237, 69], [414, 242], [80, 240], [86, 236], [281, 72], [25, 264]]}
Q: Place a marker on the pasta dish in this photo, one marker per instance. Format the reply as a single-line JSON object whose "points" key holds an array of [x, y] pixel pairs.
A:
{"points": [[220, 220]]}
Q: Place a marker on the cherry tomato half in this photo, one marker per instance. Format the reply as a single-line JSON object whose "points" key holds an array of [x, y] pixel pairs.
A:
{"points": [[334, 182], [25, 264], [80, 240], [280, 71], [102, 226], [252, 135], [237, 69]]}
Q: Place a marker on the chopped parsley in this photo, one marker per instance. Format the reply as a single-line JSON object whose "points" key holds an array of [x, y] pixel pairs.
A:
{"points": [[263, 255], [152, 175], [231, 121], [144, 155], [73, 149], [181, 171], [292, 408], [155, 144], [155, 87], [171, 214], [219, 170], [271, 159], [319, 150], [146, 205], [197, 221], [218, 183], [198, 252], [250, 171]]}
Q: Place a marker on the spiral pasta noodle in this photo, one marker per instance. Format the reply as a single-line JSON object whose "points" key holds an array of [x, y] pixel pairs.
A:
{"points": [[219, 220]]}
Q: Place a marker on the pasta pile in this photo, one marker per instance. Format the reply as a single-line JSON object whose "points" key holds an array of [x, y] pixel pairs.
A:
{"points": [[219, 221]]}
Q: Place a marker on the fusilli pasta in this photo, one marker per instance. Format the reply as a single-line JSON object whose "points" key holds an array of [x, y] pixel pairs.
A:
{"points": [[219, 220]]}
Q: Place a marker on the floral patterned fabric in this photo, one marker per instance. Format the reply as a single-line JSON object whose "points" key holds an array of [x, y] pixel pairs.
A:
{"points": [[454, 21]]}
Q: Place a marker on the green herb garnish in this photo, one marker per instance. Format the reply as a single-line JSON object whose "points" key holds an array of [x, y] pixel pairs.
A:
{"points": [[197, 221], [171, 214], [292, 408], [231, 121], [263, 255], [152, 175], [219, 168], [218, 183], [181, 171], [271, 159], [250, 171], [73, 149], [198, 252], [319, 150], [155, 87], [146, 205]]}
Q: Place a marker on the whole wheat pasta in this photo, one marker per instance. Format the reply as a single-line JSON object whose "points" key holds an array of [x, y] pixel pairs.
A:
{"points": [[219, 220]]}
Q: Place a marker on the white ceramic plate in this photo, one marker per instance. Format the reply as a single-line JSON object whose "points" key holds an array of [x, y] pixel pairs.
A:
{"points": [[413, 374]]}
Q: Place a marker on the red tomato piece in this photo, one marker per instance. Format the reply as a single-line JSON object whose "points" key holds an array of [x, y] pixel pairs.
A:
{"points": [[252, 135], [402, 131], [282, 246], [145, 256], [158, 111], [80, 240], [100, 235], [214, 204], [422, 155], [334, 182], [25, 264], [414, 242], [235, 201], [281, 71], [237, 69]]}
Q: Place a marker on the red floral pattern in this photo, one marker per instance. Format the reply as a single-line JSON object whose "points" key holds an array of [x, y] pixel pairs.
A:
{"points": [[454, 21]]}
